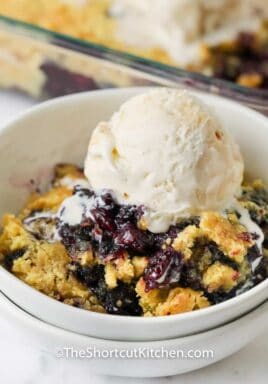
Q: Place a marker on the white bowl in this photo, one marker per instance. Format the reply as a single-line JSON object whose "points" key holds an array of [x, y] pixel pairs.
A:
{"points": [[216, 344], [58, 131]]}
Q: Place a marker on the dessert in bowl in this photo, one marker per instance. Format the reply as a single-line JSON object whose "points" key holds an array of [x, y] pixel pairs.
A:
{"points": [[144, 246]]}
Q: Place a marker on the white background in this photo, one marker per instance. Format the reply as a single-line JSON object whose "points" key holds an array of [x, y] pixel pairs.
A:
{"points": [[22, 364]]}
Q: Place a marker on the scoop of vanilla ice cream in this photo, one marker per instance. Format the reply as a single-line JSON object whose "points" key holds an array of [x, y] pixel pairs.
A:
{"points": [[165, 150]]}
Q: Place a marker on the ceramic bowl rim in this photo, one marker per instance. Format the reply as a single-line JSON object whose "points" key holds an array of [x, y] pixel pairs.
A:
{"points": [[187, 316]]}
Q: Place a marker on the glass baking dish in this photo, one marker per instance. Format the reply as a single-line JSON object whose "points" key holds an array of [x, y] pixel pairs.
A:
{"points": [[46, 64]]}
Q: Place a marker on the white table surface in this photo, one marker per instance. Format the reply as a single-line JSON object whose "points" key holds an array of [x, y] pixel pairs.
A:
{"points": [[22, 364]]}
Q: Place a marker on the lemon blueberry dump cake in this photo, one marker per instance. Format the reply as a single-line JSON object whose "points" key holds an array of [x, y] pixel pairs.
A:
{"points": [[127, 239], [197, 35]]}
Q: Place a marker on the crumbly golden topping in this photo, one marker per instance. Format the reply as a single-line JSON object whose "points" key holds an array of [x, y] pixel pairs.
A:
{"points": [[161, 302], [232, 238], [44, 266], [186, 239], [210, 253], [90, 21], [220, 276]]}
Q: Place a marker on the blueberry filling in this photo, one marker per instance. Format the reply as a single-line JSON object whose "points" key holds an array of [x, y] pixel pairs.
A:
{"points": [[218, 255], [247, 57], [10, 257], [120, 262], [164, 269], [60, 81], [121, 300], [76, 238], [112, 230]]}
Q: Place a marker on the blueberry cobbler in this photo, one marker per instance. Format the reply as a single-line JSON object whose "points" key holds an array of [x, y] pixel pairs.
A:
{"points": [[197, 35], [196, 238]]}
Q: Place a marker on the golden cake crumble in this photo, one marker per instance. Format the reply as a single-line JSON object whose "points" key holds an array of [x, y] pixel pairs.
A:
{"points": [[111, 263]]}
